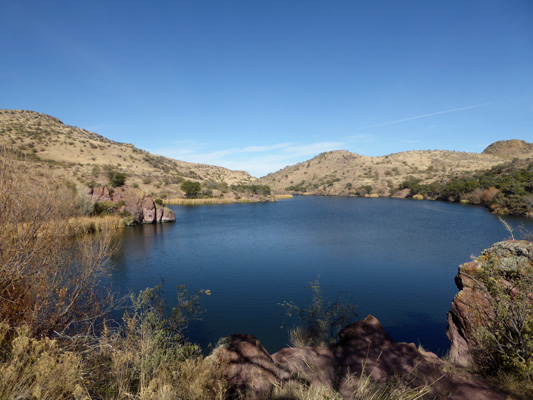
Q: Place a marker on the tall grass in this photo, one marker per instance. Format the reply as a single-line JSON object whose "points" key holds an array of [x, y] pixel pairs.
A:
{"points": [[86, 225], [198, 202]]}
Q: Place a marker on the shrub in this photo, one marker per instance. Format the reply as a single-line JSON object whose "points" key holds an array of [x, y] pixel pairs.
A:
{"points": [[37, 369], [504, 343], [116, 178], [323, 319]]}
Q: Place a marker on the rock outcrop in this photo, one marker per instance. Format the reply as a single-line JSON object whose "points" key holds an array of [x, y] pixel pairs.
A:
{"points": [[135, 204], [473, 306], [364, 348]]}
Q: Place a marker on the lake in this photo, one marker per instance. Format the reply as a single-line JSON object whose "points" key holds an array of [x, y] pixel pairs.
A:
{"points": [[397, 258]]}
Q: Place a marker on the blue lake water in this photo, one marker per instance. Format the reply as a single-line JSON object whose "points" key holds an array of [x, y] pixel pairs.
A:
{"points": [[397, 258]]}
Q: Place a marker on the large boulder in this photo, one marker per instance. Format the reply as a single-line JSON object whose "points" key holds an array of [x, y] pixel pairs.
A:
{"points": [[364, 350]]}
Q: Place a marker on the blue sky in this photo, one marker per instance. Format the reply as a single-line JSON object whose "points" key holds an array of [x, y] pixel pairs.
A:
{"points": [[258, 85]]}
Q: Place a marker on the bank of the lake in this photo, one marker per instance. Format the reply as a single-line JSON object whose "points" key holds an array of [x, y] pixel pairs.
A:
{"points": [[397, 258]]}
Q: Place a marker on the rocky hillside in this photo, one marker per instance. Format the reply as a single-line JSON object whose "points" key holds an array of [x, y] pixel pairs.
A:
{"points": [[510, 149], [344, 173], [84, 157]]}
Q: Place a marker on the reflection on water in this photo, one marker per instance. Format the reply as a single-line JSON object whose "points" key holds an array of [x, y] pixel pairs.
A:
{"points": [[397, 257]]}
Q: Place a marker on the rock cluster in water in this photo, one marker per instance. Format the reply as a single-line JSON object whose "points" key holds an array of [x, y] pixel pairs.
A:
{"points": [[140, 207]]}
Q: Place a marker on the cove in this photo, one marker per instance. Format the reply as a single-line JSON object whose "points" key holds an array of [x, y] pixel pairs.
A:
{"points": [[397, 258]]}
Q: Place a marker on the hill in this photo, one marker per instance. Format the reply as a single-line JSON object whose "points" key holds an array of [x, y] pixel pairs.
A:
{"points": [[344, 173], [510, 149], [86, 158]]}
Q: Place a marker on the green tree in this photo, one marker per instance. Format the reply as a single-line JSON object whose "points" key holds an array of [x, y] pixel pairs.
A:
{"points": [[191, 189]]}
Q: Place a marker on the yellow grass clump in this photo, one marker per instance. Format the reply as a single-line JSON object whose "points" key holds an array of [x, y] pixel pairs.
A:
{"points": [[84, 225], [199, 202]]}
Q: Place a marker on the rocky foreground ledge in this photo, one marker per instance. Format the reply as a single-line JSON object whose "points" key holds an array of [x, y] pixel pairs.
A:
{"points": [[365, 348]]}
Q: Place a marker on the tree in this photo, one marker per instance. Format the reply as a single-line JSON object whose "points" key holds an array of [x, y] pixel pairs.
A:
{"points": [[191, 189]]}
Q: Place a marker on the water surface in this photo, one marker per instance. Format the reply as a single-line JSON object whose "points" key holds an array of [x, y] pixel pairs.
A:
{"points": [[398, 259]]}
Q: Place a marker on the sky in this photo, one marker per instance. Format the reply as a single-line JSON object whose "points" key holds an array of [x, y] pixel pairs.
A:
{"points": [[259, 85]]}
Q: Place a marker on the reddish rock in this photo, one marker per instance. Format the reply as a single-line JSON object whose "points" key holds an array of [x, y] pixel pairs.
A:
{"points": [[100, 194], [168, 215], [249, 367], [136, 203], [471, 307], [364, 348], [149, 211]]}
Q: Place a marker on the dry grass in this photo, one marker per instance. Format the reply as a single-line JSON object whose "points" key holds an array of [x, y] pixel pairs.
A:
{"points": [[207, 201], [107, 367], [342, 172], [84, 225], [37, 369], [49, 276], [81, 156], [283, 196], [198, 202], [356, 387]]}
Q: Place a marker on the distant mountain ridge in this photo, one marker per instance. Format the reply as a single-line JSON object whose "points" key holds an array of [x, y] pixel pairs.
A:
{"points": [[83, 157], [344, 173]]}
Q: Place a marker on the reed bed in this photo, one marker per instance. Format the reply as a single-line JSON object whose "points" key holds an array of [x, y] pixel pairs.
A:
{"points": [[83, 225], [199, 202], [283, 196]]}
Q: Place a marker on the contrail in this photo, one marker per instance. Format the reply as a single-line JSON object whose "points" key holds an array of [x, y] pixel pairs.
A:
{"points": [[425, 115]]}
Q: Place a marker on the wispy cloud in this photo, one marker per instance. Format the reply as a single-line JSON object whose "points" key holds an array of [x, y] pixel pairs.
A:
{"points": [[425, 116], [257, 160]]}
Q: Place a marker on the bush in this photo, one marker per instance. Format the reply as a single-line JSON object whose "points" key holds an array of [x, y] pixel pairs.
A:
{"points": [[323, 319], [116, 179]]}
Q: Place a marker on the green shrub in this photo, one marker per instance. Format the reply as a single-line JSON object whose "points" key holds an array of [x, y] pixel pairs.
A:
{"points": [[116, 178], [504, 343]]}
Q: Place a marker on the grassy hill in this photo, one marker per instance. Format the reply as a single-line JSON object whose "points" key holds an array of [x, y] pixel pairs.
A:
{"points": [[85, 157], [345, 173]]}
